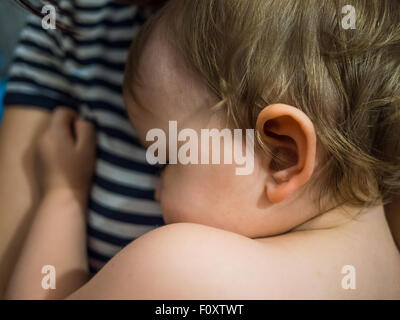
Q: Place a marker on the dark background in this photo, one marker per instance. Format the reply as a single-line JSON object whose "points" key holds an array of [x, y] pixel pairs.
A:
{"points": [[12, 19]]}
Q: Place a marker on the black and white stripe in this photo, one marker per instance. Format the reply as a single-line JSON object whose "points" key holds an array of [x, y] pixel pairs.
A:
{"points": [[85, 72]]}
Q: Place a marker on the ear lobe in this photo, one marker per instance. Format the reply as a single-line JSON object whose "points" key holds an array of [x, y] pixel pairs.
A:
{"points": [[290, 134]]}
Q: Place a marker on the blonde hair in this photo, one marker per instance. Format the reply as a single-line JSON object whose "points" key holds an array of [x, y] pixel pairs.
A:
{"points": [[252, 53]]}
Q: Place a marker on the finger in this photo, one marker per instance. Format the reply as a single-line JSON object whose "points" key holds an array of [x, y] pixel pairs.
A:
{"points": [[85, 135], [62, 121]]}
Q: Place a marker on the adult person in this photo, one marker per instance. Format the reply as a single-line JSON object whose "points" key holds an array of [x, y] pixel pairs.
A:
{"points": [[82, 70]]}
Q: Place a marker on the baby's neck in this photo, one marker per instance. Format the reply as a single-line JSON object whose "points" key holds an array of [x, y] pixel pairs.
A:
{"points": [[341, 216]]}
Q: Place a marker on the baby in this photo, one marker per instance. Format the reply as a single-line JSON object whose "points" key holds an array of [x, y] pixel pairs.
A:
{"points": [[307, 222]]}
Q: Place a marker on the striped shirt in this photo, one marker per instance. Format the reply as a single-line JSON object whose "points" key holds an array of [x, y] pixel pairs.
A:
{"points": [[85, 72]]}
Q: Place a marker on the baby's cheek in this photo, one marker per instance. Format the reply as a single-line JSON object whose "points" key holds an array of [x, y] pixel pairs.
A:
{"points": [[196, 193], [176, 208], [181, 203]]}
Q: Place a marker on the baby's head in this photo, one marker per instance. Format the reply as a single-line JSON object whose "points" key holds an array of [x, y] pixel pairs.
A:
{"points": [[324, 101]]}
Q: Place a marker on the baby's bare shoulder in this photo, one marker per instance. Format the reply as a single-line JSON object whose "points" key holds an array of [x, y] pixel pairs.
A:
{"points": [[191, 261], [217, 264], [321, 264]]}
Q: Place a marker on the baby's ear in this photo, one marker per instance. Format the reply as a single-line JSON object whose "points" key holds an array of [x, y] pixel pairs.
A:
{"points": [[290, 135]]}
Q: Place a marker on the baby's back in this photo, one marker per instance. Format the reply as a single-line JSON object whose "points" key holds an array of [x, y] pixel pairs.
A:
{"points": [[355, 261]]}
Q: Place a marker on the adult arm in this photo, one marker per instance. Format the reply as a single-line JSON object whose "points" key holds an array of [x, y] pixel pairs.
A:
{"points": [[19, 192], [66, 154], [32, 93]]}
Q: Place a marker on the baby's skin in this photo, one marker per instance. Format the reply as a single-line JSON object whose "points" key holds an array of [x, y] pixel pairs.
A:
{"points": [[258, 236]]}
